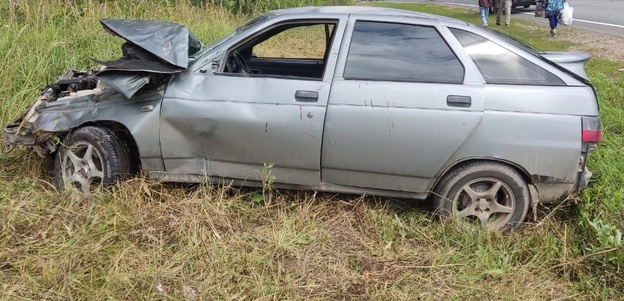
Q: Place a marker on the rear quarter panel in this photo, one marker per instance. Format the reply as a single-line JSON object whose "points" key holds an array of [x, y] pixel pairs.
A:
{"points": [[537, 128]]}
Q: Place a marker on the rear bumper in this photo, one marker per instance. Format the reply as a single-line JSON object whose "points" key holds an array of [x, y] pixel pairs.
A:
{"points": [[584, 175], [555, 191]]}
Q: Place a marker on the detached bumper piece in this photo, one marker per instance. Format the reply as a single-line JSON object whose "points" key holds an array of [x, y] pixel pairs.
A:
{"points": [[15, 134], [585, 176]]}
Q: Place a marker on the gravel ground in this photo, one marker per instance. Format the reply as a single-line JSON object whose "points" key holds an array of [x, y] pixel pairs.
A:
{"points": [[599, 44]]}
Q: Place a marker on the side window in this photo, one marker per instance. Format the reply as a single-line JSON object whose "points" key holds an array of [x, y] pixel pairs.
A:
{"points": [[303, 42], [401, 52], [294, 49], [501, 66]]}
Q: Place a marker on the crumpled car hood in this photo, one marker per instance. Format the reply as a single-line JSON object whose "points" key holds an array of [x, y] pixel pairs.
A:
{"points": [[170, 42], [152, 47]]}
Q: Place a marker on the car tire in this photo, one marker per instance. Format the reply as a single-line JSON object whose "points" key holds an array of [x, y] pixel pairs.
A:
{"points": [[526, 6], [488, 195], [91, 158]]}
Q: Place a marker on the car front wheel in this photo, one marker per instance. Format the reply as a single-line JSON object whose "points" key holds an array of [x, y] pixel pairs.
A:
{"points": [[487, 195], [91, 158]]}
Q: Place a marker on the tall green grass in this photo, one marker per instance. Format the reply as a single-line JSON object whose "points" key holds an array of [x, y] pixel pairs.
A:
{"points": [[144, 240]]}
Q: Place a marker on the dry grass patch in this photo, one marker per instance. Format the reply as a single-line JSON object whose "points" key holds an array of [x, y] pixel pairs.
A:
{"points": [[147, 240]]}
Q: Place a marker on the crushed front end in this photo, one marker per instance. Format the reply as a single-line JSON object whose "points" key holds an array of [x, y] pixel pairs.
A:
{"points": [[153, 52], [24, 130]]}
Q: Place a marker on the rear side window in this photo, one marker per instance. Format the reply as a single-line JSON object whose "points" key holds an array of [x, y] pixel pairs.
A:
{"points": [[501, 66], [401, 52]]}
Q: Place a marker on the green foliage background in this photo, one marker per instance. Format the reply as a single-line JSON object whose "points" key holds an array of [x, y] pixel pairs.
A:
{"points": [[262, 5], [245, 6]]}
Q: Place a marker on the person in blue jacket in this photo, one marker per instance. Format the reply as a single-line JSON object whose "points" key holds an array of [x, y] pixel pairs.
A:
{"points": [[553, 9]]}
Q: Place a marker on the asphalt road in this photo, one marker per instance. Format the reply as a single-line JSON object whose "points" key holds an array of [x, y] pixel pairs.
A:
{"points": [[605, 16]]}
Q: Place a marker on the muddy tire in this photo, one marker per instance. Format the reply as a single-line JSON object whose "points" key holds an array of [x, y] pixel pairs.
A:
{"points": [[91, 158], [483, 195]]}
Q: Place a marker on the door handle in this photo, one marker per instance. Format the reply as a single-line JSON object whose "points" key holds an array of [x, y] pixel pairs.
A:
{"points": [[306, 96], [458, 101]]}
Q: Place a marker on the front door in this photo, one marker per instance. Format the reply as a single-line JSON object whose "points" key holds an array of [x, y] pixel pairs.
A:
{"points": [[234, 122]]}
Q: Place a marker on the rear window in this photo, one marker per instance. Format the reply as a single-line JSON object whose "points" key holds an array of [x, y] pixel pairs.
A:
{"points": [[501, 66]]}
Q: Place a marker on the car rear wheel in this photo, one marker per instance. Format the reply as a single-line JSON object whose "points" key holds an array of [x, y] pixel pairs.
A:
{"points": [[89, 159], [487, 195]]}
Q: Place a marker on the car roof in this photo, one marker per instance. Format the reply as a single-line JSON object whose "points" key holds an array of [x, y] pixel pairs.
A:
{"points": [[361, 10]]}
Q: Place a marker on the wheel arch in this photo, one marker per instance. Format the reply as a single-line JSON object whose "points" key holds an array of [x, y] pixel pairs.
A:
{"points": [[125, 135], [519, 169]]}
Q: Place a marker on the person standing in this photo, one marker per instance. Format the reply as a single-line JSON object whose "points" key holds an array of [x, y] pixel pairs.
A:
{"points": [[553, 9], [484, 11], [500, 5]]}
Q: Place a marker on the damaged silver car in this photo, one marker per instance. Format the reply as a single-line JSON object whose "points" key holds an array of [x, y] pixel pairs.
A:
{"points": [[377, 101]]}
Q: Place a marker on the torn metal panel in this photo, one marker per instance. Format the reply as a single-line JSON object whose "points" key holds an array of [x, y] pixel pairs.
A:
{"points": [[152, 47], [171, 42], [10, 135], [136, 59], [125, 83]]}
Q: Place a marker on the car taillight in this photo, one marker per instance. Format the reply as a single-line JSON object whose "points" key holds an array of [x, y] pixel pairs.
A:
{"points": [[592, 129]]}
